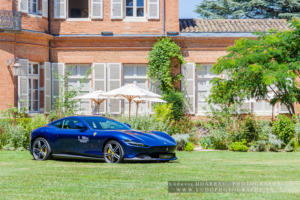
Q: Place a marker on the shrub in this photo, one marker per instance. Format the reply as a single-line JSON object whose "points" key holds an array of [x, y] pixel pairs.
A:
{"points": [[284, 128], [163, 112], [205, 142], [239, 146], [259, 146], [145, 123], [189, 147], [219, 138], [184, 125], [293, 145], [176, 99], [182, 140], [16, 138], [274, 143]]}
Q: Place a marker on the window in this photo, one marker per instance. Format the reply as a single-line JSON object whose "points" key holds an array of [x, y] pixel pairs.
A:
{"points": [[33, 87], [136, 74], [135, 8], [33, 7], [100, 123], [78, 9], [204, 76], [58, 124], [79, 79], [70, 124]]}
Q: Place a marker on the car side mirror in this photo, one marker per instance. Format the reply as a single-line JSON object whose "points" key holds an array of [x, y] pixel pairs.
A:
{"points": [[80, 125], [128, 125]]}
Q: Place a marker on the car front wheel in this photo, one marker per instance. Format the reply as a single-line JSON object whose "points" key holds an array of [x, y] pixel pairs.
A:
{"points": [[113, 152], [41, 149]]}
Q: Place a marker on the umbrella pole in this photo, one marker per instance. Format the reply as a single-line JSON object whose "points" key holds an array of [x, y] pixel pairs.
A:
{"points": [[137, 108], [129, 99]]}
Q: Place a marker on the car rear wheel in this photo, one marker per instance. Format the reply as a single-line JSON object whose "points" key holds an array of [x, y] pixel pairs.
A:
{"points": [[113, 152], [41, 149]]}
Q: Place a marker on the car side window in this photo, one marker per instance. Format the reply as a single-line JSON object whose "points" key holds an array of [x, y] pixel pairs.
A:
{"points": [[58, 124], [70, 124]]}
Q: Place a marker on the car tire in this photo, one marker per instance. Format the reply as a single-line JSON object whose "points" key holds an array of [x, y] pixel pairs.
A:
{"points": [[41, 149], [113, 152]]}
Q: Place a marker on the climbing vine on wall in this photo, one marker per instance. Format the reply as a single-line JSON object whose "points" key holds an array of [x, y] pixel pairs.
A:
{"points": [[160, 62], [164, 58]]}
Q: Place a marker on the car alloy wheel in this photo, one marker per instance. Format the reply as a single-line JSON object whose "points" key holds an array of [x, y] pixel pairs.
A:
{"points": [[113, 152], [41, 149]]}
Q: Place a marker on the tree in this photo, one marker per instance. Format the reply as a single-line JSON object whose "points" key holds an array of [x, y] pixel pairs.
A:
{"points": [[237, 9], [265, 68]]}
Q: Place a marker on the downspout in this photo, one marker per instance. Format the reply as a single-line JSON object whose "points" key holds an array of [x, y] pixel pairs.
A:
{"points": [[164, 17], [50, 48]]}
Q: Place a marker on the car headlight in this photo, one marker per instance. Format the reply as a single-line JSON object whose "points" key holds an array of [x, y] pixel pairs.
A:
{"points": [[133, 143]]}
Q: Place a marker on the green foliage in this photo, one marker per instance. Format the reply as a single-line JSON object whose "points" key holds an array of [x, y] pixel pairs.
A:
{"points": [[145, 123], [176, 99], [237, 9], [181, 140], [189, 146], [239, 146], [205, 142], [163, 112], [15, 132], [159, 66], [183, 125], [220, 138], [284, 128], [249, 130], [293, 145], [258, 69], [259, 146]]}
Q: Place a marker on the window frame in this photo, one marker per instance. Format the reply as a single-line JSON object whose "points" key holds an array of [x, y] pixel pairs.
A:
{"points": [[207, 77], [78, 78], [134, 7], [78, 19], [31, 78], [30, 6]]}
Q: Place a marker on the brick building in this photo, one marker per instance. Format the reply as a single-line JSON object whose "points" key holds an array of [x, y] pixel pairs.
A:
{"points": [[111, 39]]}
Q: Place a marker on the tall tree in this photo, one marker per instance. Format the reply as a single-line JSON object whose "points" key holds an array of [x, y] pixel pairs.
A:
{"points": [[236, 9], [265, 68]]}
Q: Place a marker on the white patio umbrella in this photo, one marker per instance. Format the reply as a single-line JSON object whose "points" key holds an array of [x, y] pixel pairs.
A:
{"points": [[131, 92], [138, 101], [97, 96]]}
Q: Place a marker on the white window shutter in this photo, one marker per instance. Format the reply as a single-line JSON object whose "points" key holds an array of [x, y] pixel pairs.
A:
{"points": [[60, 9], [57, 85], [97, 9], [99, 83], [47, 87], [45, 8], [153, 9], [188, 86], [23, 93], [114, 82], [117, 9], [23, 6]]}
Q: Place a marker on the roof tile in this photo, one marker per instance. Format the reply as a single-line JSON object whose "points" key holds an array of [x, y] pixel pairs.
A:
{"points": [[231, 25]]}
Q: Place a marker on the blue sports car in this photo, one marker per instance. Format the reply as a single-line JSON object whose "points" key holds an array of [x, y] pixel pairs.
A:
{"points": [[100, 138]]}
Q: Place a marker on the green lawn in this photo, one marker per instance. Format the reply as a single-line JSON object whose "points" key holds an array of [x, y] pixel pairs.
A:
{"points": [[23, 178]]}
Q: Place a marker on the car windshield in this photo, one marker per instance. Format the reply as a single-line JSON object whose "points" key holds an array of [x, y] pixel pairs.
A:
{"points": [[101, 123]]}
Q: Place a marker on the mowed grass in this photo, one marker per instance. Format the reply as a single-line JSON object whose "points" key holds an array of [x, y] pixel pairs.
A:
{"points": [[23, 178]]}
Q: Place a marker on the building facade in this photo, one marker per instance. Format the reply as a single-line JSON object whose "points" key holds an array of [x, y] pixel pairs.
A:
{"points": [[107, 42]]}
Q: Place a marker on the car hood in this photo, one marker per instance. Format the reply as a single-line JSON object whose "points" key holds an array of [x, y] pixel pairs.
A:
{"points": [[149, 138]]}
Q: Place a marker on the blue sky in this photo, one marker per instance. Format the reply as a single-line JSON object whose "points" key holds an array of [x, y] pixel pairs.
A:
{"points": [[187, 7]]}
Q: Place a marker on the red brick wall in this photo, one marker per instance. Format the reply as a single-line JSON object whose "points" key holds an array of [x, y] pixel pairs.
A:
{"points": [[31, 46], [62, 26]]}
